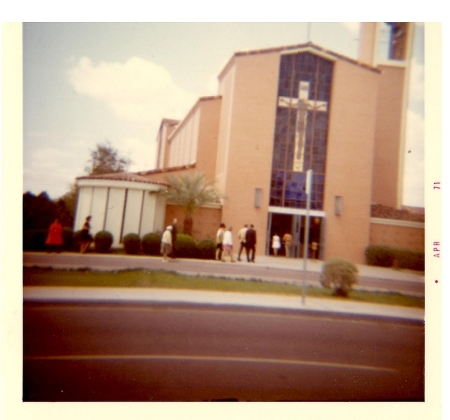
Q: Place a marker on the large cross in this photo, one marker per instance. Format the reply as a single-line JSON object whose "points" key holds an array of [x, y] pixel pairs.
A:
{"points": [[302, 104]]}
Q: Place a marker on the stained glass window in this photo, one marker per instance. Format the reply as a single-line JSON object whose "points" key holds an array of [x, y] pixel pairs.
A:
{"points": [[301, 129]]}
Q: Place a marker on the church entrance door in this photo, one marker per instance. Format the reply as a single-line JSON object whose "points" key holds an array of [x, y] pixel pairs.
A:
{"points": [[294, 224]]}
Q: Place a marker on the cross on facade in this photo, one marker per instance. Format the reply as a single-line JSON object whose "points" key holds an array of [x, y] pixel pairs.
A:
{"points": [[302, 104]]}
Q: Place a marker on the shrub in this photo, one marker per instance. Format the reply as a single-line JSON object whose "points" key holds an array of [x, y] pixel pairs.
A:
{"points": [[206, 249], [76, 241], [34, 239], [67, 239], [185, 246], [413, 260], [380, 255], [339, 274], [132, 243], [387, 256], [103, 241], [151, 243]]}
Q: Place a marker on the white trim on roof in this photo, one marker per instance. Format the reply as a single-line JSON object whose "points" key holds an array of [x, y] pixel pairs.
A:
{"points": [[100, 182]]}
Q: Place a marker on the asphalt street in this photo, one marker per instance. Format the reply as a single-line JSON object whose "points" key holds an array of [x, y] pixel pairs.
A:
{"points": [[110, 351]]}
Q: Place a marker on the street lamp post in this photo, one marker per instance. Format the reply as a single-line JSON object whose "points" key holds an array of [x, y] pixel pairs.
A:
{"points": [[309, 175]]}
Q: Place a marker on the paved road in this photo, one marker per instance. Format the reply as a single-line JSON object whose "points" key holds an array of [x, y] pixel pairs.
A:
{"points": [[90, 351], [267, 268]]}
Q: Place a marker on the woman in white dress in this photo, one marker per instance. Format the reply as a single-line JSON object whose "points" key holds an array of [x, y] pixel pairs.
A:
{"points": [[276, 244]]}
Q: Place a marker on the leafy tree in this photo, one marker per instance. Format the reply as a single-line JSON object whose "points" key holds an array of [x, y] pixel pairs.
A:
{"points": [[190, 192], [70, 199], [38, 211], [106, 160]]}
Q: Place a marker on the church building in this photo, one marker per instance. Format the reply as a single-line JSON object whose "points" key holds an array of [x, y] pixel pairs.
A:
{"points": [[278, 113]]}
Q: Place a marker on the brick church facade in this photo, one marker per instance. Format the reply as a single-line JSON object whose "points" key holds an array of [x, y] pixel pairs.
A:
{"points": [[278, 113]]}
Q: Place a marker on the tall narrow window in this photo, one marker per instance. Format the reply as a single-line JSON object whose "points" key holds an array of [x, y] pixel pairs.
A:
{"points": [[301, 129], [392, 41]]}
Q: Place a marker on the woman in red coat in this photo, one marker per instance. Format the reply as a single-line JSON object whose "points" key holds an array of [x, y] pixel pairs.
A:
{"points": [[54, 240]]}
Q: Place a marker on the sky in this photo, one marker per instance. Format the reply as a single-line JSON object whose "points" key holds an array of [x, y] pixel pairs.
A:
{"points": [[88, 83]]}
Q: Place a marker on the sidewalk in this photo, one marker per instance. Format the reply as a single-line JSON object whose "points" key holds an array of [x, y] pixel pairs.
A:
{"points": [[316, 266], [327, 305], [297, 264]]}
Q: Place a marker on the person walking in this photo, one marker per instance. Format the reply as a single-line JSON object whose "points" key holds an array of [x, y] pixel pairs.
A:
{"points": [[85, 236], [276, 244], [219, 242], [166, 243], [250, 243], [228, 245], [54, 239], [241, 239], [288, 244], [174, 238]]}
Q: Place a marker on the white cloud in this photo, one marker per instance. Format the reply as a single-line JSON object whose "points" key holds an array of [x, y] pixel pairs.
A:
{"points": [[141, 152], [138, 90]]}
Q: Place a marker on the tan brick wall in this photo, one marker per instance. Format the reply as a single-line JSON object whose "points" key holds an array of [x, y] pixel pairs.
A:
{"points": [[397, 236], [249, 159], [208, 136], [349, 160], [388, 137], [243, 122], [206, 221]]}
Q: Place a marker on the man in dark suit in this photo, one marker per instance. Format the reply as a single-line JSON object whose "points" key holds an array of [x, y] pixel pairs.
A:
{"points": [[250, 243]]}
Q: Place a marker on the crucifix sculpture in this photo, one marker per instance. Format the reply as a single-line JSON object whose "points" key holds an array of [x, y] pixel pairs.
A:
{"points": [[302, 104]]}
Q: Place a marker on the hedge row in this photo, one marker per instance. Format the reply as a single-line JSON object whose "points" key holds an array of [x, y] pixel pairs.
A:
{"points": [[149, 244], [34, 240], [387, 256], [186, 246]]}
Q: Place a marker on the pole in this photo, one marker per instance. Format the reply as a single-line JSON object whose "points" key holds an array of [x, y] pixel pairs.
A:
{"points": [[309, 175]]}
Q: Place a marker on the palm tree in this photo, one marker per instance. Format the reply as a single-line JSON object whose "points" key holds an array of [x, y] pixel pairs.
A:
{"points": [[190, 192]]}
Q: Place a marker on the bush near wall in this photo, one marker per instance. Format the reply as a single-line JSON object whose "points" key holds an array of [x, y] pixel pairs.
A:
{"points": [[76, 241], [151, 243], [206, 249], [388, 256], [103, 241], [132, 243], [34, 239], [186, 246]]}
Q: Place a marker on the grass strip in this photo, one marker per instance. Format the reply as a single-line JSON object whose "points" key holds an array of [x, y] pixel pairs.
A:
{"points": [[170, 280]]}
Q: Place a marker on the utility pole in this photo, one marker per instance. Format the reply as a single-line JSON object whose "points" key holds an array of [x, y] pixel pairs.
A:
{"points": [[309, 175]]}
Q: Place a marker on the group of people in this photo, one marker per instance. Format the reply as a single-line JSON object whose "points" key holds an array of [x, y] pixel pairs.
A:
{"points": [[55, 241], [224, 243], [288, 242]]}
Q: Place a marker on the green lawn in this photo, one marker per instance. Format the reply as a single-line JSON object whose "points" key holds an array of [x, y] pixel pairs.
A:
{"points": [[170, 280]]}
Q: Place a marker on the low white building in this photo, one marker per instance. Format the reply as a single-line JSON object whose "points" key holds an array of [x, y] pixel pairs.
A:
{"points": [[120, 203]]}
